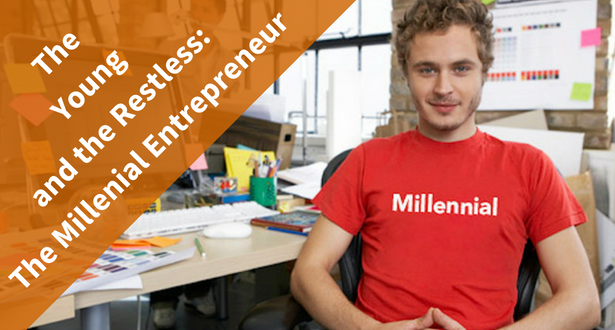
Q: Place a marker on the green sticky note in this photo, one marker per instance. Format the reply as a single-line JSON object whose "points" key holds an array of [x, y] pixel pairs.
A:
{"points": [[488, 2], [581, 92]]}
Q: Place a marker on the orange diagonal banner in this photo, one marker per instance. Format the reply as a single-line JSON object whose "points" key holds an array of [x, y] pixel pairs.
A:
{"points": [[119, 120]]}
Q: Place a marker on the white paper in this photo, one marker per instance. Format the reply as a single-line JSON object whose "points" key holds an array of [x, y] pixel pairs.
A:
{"points": [[564, 148], [343, 112], [306, 190], [602, 166], [606, 250], [505, 3], [96, 282], [541, 49], [304, 174], [133, 282], [532, 119]]}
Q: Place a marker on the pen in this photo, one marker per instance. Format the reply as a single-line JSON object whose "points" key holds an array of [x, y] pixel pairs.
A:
{"points": [[200, 247], [287, 231]]}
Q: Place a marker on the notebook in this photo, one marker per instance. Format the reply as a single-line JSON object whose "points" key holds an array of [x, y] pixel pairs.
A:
{"points": [[297, 221]]}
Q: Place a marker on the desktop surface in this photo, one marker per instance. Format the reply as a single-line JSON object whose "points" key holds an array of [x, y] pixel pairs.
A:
{"points": [[224, 257]]}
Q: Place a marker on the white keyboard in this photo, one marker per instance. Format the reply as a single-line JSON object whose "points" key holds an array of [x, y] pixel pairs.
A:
{"points": [[187, 220]]}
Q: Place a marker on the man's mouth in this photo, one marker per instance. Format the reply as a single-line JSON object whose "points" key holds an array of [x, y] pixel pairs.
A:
{"points": [[443, 107]]}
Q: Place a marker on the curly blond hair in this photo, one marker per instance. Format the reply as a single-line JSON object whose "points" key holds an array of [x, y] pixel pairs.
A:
{"points": [[438, 15]]}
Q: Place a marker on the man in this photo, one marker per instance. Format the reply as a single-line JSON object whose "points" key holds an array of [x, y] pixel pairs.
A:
{"points": [[445, 210]]}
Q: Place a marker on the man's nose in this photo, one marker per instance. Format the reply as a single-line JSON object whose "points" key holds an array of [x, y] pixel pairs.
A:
{"points": [[443, 84]]}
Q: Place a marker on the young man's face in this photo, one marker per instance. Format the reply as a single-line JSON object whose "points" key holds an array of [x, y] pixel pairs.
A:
{"points": [[205, 11], [445, 79]]}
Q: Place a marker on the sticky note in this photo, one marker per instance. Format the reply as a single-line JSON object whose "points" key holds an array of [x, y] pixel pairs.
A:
{"points": [[581, 91], [488, 2], [33, 107], [199, 164], [161, 241], [121, 56], [38, 157], [193, 149], [136, 242], [242, 147], [591, 37], [24, 78]]}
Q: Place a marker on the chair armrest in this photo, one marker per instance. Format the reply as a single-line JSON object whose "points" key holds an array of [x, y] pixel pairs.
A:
{"points": [[280, 313]]}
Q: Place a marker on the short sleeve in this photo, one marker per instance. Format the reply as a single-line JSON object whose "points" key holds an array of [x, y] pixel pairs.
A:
{"points": [[340, 200], [553, 207]]}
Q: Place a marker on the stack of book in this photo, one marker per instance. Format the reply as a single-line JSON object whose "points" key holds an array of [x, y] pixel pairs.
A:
{"points": [[297, 222]]}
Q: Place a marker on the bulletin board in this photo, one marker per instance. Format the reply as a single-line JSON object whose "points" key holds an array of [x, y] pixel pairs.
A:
{"points": [[543, 57]]}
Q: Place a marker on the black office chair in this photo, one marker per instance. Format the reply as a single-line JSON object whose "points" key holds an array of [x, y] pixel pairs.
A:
{"points": [[285, 313]]}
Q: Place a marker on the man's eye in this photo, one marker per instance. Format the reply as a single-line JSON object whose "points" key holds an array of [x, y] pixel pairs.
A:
{"points": [[427, 71], [462, 69]]}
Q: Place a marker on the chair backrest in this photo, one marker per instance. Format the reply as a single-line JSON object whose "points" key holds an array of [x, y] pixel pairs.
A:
{"points": [[351, 268]]}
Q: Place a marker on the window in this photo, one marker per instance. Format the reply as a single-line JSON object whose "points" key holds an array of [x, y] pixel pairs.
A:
{"points": [[358, 40], [94, 20]]}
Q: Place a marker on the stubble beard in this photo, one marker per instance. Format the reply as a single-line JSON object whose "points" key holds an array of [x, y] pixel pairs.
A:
{"points": [[445, 126]]}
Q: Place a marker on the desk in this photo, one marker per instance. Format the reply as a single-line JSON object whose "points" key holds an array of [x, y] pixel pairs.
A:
{"points": [[224, 257]]}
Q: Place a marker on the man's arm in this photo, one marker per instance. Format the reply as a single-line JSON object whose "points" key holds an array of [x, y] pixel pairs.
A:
{"points": [[575, 304], [316, 290]]}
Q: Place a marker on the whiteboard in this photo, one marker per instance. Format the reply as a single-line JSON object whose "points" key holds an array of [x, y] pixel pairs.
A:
{"points": [[542, 42]]}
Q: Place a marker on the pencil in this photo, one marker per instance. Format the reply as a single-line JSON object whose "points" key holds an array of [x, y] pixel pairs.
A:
{"points": [[200, 247]]}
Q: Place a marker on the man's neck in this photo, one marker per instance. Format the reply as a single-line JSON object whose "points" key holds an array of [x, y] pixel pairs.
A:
{"points": [[459, 134]]}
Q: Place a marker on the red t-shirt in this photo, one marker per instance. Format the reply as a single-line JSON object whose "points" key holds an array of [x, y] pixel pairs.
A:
{"points": [[445, 224]]}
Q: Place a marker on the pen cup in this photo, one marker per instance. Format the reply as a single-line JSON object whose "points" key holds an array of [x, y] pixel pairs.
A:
{"points": [[263, 190]]}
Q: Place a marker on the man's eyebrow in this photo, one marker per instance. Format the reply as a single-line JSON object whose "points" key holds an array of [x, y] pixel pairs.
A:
{"points": [[464, 62], [424, 63]]}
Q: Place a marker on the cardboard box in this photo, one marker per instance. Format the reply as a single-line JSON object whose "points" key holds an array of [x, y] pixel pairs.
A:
{"points": [[262, 135]]}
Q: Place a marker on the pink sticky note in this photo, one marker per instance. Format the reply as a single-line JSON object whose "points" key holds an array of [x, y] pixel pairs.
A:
{"points": [[192, 150], [591, 37], [199, 164], [33, 107]]}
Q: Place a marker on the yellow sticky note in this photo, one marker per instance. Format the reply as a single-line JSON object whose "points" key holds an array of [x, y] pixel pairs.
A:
{"points": [[38, 157], [581, 92], [24, 79], [121, 56], [161, 241]]}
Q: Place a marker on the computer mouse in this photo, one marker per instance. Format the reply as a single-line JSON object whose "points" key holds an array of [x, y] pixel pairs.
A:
{"points": [[228, 230]]}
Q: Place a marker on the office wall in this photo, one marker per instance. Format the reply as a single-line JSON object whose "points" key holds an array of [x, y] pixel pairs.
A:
{"points": [[596, 123]]}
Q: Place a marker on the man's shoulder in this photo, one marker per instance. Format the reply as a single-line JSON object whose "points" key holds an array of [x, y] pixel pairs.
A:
{"points": [[514, 150], [383, 143]]}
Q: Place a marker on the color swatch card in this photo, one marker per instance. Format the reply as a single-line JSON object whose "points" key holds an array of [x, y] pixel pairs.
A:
{"points": [[117, 265]]}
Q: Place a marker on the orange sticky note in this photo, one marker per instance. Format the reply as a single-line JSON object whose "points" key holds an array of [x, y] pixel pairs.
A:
{"points": [[33, 107], [24, 79], [121, 56], [38, 157], [162, 241], [192, 150]]}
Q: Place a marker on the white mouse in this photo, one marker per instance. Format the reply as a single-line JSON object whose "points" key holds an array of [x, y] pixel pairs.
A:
{"points": [[228, 230]]}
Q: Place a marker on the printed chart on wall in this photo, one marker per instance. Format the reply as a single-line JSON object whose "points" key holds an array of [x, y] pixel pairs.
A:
{"points": [[540, 61]]}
